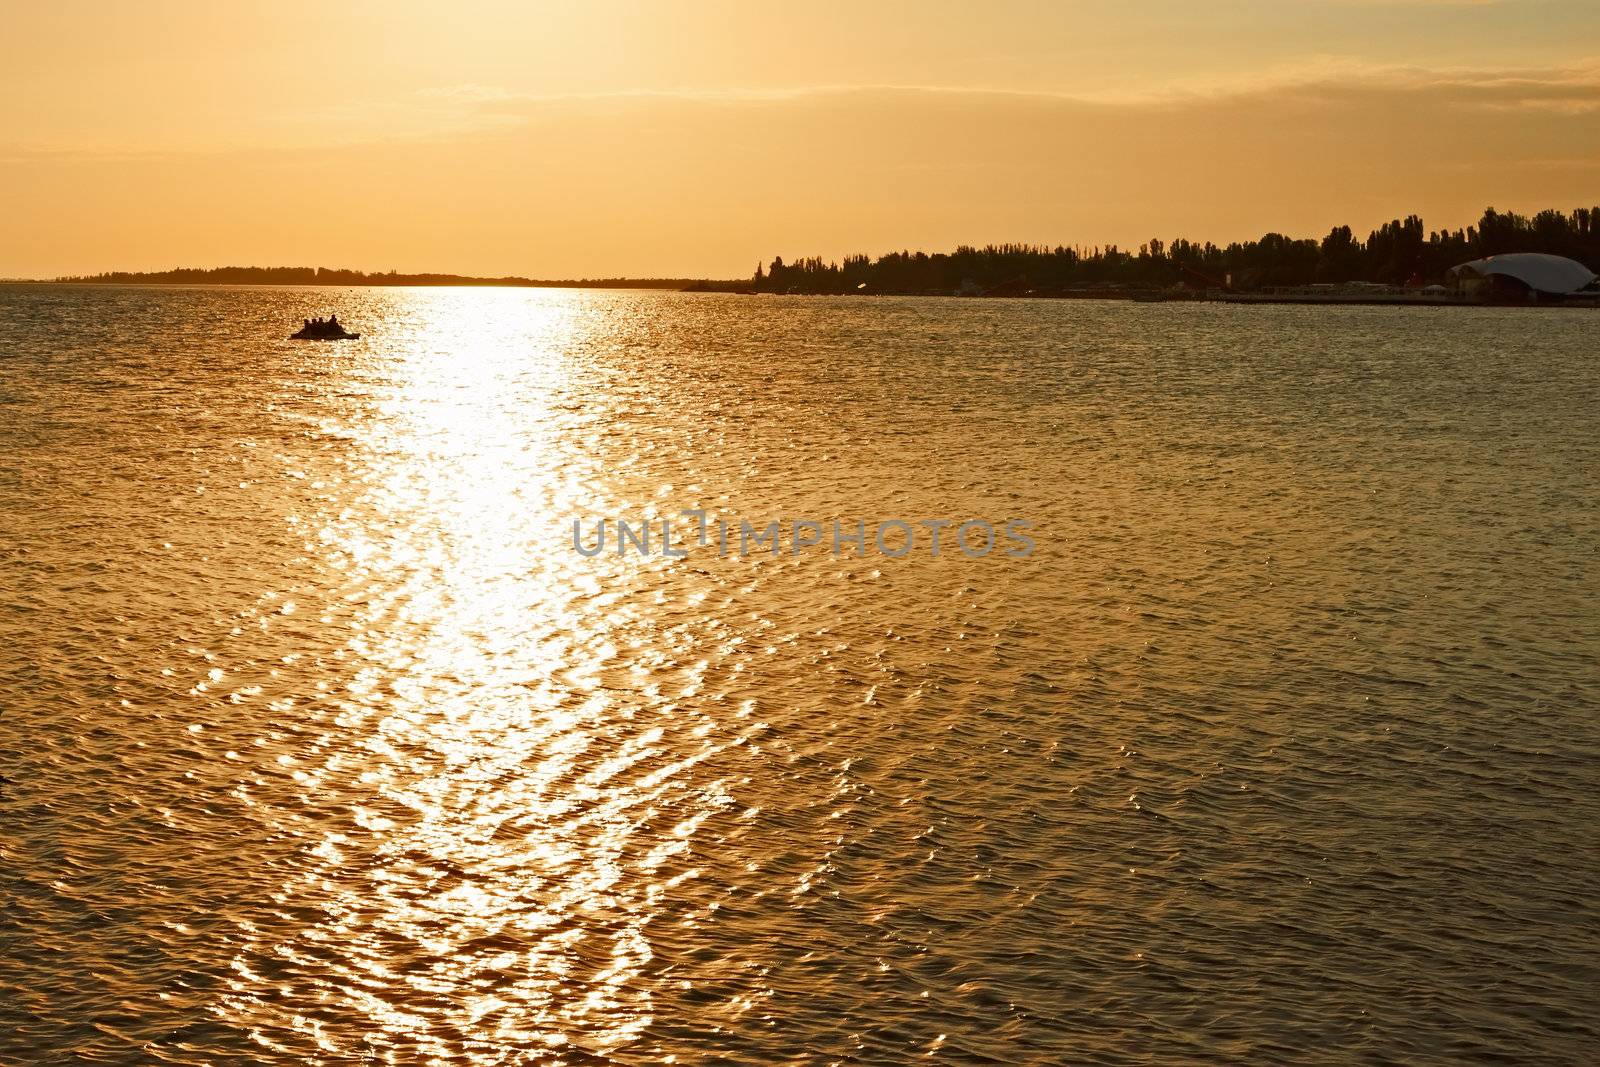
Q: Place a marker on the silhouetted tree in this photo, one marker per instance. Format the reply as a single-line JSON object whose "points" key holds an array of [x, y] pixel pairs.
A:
{"points": [[1398, 252]]}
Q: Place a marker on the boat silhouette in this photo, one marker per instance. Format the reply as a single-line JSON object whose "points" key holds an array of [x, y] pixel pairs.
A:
{"points": [[327, 329]]}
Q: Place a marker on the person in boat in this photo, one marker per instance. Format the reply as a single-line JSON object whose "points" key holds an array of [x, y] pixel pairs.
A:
{"points": [[333, 322]]}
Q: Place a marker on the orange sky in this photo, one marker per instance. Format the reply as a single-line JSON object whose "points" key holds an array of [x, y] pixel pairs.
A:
{"points": [[572, 139]]}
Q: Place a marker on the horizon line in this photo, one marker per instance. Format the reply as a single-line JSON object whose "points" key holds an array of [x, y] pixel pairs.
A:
{"points": [[437, 278], [447, 278]]}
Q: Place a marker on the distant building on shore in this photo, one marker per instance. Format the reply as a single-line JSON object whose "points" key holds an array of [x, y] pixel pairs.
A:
{"points": [[1521, 275]]}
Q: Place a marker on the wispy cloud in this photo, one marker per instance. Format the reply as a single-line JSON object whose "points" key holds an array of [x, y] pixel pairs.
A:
{"points": [[1576, 81], [1568, 90], [455, 111]]}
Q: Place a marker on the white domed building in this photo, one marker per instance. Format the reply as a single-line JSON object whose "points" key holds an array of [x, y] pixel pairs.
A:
{"points": [[1522, 274]]}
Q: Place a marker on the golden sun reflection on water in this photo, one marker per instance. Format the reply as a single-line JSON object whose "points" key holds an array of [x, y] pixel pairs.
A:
{"points": [[472, 891]]}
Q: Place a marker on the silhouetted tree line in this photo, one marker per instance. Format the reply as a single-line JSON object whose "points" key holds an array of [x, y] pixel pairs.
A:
{"points": [[329, 276], [1402, 252]]}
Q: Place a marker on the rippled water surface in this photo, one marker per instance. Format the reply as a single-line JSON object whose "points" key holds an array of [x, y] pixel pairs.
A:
{"points": [[321, 745]]}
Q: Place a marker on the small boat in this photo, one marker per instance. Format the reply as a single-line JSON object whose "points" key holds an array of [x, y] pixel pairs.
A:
{"points": [[323, 330]]}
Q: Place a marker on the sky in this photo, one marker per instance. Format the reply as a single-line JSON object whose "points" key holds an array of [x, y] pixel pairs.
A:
{"points": [[696, 139]]}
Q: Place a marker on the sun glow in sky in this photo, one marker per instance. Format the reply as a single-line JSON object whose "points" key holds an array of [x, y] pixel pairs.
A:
{"points": [[560, 140]]}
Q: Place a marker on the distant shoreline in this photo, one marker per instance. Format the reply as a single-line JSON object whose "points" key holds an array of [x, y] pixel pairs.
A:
{"points": [[324, 276], [741, 288], [650, 284]]}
